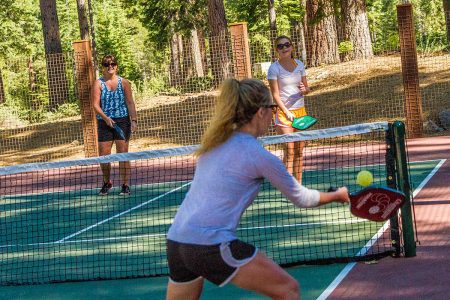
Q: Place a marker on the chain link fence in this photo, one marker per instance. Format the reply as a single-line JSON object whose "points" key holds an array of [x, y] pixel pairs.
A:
{"points": [[40, 113]]}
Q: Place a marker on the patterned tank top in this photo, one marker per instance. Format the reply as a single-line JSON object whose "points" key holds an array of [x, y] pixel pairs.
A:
{"points": [[113, 102]]}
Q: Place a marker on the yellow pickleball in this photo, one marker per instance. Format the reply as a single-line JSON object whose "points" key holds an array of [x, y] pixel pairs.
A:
{"points": [[364, 178]]}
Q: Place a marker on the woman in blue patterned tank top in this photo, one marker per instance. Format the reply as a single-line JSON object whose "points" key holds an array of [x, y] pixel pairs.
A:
{"points": [[112, 100]]}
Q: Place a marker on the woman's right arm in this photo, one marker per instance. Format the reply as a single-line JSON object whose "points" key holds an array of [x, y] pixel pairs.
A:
{"points": [[340, 195], [273, 84], [95, 98], [272, 168]]}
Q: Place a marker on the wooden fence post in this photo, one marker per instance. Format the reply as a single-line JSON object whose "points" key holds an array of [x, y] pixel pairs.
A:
{"points": [[410, 70], [241, 51], [84, 74]]}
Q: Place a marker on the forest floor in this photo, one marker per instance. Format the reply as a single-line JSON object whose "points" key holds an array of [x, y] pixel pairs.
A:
{"points": [[346, 93]]}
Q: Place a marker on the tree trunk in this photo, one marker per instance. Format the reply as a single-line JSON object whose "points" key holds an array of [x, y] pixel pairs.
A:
{"points": [[272, 16], [296, 38], [356, 29], [175, 61], [302, 42], [196, 53], [57, 82], [322, 44], [188, 66], [32, 86], [83, 19], [93, 43], [182, 76], [219, 42], [272, 27], [303, 33], [202, 47], [339, 22], [2, 89], [446, 6]]}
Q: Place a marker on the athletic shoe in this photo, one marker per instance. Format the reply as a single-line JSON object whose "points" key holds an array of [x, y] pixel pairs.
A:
{"points": [[105, 188], [125, 190]]}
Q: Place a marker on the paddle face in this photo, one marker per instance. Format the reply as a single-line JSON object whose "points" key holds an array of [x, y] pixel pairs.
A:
{"points": [[304, 122], [119, 131], [376, 203]]}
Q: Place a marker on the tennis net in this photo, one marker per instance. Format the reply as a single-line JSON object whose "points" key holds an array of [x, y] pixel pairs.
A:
{"points": [[56, 228]]}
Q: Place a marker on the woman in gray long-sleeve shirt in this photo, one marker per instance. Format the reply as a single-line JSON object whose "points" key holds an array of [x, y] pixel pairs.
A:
{"points": [[202, 241]]}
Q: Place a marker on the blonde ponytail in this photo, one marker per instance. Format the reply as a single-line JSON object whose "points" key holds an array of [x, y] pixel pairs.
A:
{"points": [[236, 105], [222, 124]]}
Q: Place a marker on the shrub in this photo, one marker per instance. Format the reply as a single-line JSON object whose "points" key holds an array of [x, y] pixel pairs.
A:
{"points": [[9, 118], [198, 84], [345, 47]]}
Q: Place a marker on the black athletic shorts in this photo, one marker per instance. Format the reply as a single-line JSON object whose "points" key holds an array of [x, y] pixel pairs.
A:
{"points": [[106, 133], [216, 263]]}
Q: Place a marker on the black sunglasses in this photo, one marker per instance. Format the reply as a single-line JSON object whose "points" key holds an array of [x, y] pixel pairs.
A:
{"points": [[112, 64], [285, 45], [272, 106]]}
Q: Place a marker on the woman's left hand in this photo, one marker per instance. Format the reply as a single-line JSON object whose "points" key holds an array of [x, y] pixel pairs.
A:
{"points": [[304, 89], [133, 126]]}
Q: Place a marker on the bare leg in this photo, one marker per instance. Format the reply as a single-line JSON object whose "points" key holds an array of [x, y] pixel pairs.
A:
{"points": [[124, 166], [262, 275], [186, 291], [104, 148], [293, 154], [298, 160]]}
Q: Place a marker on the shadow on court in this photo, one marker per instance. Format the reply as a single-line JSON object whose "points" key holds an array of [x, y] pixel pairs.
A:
{"points": [[313, 280]]}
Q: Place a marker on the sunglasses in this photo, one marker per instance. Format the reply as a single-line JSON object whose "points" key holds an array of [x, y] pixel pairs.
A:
{"points": [[106, 65], [285, 45], [272, 106]]}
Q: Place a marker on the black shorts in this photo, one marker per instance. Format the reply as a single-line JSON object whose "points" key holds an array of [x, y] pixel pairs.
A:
{"points": [[106, 133], [216, 263]]}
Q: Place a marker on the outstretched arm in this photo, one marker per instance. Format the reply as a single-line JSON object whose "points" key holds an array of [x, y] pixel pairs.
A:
{"points": [[340, 195], [272, 168]]}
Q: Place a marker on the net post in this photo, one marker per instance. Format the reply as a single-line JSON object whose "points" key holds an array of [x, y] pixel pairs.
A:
{"points": [[85, 76], [405, 186], [391, 182]]}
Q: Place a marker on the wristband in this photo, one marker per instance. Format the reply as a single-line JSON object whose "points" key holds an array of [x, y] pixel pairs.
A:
{"points": [[134, 121]]}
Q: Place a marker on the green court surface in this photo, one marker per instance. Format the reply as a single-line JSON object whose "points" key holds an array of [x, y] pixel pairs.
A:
{"points": [[313, 279]]}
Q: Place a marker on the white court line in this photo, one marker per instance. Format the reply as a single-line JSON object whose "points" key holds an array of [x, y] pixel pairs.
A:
{"points": [[425, 181], [164, 234], [86, 240], [350, 266], [120, 214]]}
